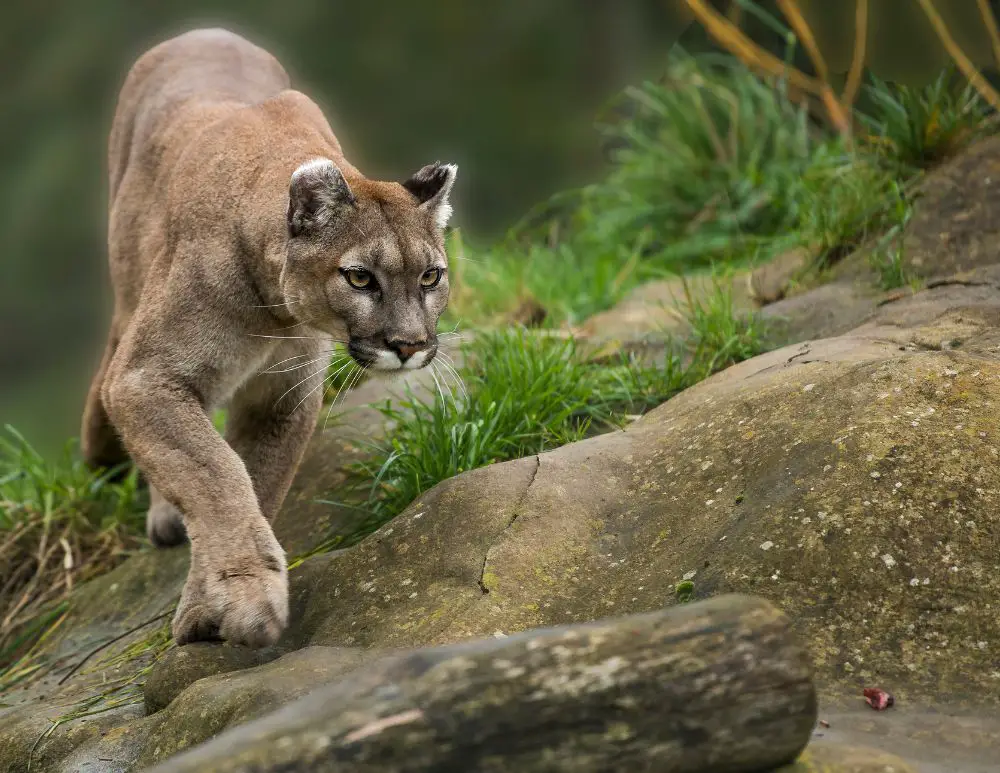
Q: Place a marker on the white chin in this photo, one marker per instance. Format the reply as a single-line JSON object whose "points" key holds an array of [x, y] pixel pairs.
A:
{"points": [[418, 360], [389, 362]]}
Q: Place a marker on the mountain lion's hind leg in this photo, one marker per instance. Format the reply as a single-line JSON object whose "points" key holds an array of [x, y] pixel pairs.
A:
{"points": [[164, 523], [99, 442]]}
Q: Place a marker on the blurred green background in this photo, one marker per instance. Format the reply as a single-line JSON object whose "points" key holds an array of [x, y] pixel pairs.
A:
{"points": [[508, 90]]}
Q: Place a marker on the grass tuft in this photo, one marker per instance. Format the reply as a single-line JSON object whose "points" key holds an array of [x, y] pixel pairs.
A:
{"points": [[60, 524], [914, 128], [887, 256], [720, 336]]}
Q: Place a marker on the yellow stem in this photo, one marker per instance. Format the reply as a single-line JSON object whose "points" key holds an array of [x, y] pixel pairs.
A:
{"points": [[854, 75], [986, 91], [991, 26], [737, 43]]}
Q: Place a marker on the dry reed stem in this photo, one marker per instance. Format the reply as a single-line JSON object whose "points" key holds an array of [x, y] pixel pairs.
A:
{"points": [[791, 11], [991, 26], [856, 73], [800, 85], [735, 41], [969, 70]]}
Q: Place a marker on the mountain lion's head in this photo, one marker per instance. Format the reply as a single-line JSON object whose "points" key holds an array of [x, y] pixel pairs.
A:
{"points": [[366, 261]]}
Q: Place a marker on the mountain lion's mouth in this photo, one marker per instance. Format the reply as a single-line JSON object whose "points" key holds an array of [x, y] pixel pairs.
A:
{"points": [[387, 360]]}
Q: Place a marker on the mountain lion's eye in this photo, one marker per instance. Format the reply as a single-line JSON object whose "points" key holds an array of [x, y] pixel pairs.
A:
{"points": [[430, 278], [359, 279]]}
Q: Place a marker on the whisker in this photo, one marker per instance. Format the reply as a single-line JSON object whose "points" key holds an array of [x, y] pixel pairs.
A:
{"points": [[299, 367], [450, 365], [296, 338], [276, 305], [341, 369], [453, 385], [297, 324], [296, 386], [437, 383], [351, 382], [296, 357], [306, 396], [343, 384]]}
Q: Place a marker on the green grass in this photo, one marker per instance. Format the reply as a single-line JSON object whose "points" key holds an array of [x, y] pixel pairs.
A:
{"points": [[525, 393], [720, 336], [914, 128], [710, 158], [60, 524], [886, 257]]}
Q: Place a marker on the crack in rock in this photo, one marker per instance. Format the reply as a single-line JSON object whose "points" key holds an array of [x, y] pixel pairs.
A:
{"points": [[959, 283], [803, 351], [517, 511]]}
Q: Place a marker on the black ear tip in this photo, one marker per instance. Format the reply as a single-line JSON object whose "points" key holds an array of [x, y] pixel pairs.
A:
{"points": [[430, 180]]}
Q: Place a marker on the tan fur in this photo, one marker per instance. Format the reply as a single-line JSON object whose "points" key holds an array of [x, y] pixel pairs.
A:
{"points": [[226, 263]]}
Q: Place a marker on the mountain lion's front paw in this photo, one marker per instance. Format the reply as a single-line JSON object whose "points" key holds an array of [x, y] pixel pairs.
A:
{"points": [[243, 603]]}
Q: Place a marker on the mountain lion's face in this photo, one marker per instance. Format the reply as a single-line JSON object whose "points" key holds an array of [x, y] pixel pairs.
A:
{"points": [[368, 265]]}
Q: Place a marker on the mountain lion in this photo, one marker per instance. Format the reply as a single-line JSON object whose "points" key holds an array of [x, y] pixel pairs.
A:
{"points": [[241, 240]]}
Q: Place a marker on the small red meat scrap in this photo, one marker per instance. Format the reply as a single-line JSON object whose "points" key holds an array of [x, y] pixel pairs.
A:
{"points": [[878, 698]]}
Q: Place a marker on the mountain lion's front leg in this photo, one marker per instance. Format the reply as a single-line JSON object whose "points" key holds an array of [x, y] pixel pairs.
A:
{"points": [[237, 586]]}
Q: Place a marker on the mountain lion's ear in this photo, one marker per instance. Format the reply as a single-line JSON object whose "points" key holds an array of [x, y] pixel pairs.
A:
{"points": [[431, 185], [316, 192]]}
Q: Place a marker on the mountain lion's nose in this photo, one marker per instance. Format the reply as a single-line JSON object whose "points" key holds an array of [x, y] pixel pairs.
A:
{"points": [[406, 349]]}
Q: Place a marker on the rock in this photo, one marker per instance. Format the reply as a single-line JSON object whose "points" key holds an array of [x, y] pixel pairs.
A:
{"points": [[828, 310], [956, 222], [213, 704], [778, 476], [717, 685], [769, 282], [849, 480], [939, 738], [835, 758], [181, 667]]}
